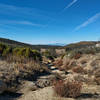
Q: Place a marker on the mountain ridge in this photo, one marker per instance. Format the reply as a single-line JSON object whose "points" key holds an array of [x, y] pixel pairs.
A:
{"points": [[21, 44], [48, 46]]}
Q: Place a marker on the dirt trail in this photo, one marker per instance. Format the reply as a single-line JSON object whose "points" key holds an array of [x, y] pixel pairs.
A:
{"points": [[46, 93], [26, 90]]}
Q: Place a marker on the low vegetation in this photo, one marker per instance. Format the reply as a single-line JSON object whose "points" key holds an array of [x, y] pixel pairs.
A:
{"points": [[68, 89], [14, 70], [25, 52], [48, 55], [76, 67], [20, 63], [76, 53]]}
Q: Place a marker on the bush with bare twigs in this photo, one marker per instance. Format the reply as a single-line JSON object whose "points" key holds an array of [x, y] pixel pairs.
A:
{"points": [[58, 62], [68, 89], [79, 69], [97, 76], [77, 56]]}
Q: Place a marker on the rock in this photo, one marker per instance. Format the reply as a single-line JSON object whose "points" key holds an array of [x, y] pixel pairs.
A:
{"points": [[41, 83], [49, 77], [53, 68], [32, 86], [70, 77], [27, 86], [3, 86], [58, 71]]}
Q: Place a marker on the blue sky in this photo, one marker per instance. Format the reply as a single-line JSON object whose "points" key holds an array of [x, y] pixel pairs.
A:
{"points": [[50, 21]]}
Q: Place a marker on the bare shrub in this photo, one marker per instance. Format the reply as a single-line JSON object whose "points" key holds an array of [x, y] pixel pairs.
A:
{"points": [[73, 64], [66, 63], [69, 65], [97, 76], [97, 73], [77, 56], [74, 54], [82, 78], [58, 63], [83, 62], [97, 80], [68, 89], [79, 69]]}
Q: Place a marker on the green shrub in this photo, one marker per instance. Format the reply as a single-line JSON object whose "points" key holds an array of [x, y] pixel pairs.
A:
{"points": [[7, 51], [2, 47], [23, 52], [48, 55], [37, 55], [27, 53], [15, 51]]}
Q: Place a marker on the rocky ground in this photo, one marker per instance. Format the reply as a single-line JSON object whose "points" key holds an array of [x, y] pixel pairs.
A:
{"points": [[42, 88], [89, 92]]}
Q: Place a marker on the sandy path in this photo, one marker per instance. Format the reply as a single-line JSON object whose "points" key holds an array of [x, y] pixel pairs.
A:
{"points": [[46, 93], [42, 94]]}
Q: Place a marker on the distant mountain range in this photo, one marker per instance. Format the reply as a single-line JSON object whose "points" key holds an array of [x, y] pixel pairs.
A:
{"points": [[14, 43], [81, 44], [57, 44]]}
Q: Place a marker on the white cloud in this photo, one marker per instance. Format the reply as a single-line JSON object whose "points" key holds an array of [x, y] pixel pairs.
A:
{"points": [[8, 22], [25, 12], [69, 5], [89, 21], [10, 7]]}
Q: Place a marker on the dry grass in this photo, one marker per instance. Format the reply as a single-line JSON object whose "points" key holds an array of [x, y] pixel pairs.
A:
{"points": [[14, 70], [84, 79]]}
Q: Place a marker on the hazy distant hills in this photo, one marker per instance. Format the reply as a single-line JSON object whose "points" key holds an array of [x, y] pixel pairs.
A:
{"points": [[81, 44], [49, 46], [14, 43], [57, 44]]}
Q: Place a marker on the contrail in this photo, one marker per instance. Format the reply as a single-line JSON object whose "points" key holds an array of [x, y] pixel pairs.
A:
{"points": [[69, 5], [89, 21]]}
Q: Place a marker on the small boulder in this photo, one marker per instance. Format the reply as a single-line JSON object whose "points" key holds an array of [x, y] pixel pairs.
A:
{"points": [[41, 83]]}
